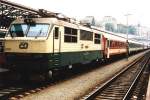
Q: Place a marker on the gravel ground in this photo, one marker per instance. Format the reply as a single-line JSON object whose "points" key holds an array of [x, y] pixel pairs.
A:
{"points": [[74, 88], [148, 91]]}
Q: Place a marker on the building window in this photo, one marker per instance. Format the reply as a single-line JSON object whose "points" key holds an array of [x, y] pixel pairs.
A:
{"points": [[86, 35], [70, 35], [97, 39]]}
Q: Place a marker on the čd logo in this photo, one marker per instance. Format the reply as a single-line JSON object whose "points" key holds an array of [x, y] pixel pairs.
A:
{"points": [[23, 45]]}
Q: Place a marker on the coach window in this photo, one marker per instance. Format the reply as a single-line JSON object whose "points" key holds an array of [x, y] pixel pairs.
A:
{"points": [[86, 35], [111, 43], [97, 39], [56, 33], [70, 35]]}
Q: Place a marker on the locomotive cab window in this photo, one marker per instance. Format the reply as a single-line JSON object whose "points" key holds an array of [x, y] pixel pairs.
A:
{"points": [[97, 39], [70, 35], [56, 32]]}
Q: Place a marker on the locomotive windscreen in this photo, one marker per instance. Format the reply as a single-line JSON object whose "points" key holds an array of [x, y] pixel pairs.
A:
{"points": [[22, 30]]}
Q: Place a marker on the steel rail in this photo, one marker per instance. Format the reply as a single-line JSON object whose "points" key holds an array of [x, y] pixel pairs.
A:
{"points": [[136, 79], [102, 87]]}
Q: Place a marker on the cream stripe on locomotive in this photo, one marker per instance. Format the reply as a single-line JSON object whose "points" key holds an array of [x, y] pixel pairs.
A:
{"points": [[45, 44]]}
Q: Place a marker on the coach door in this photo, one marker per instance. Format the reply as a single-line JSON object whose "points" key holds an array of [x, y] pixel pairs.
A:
{"points": [[108, 48], [104, 45], [56, 40]]}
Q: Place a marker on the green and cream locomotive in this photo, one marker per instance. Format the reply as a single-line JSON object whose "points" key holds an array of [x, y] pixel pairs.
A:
{"points": [[45, 44]]}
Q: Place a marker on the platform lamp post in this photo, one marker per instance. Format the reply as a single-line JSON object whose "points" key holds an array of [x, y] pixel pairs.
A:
{"points": [[127, 32], [147, 38]]}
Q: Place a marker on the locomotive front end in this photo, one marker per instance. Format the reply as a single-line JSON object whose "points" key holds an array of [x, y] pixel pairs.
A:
{"points": [[2, 56], [27, 45]]}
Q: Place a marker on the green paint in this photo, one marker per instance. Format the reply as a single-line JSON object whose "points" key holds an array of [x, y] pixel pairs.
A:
{"points": [[51, 61]]}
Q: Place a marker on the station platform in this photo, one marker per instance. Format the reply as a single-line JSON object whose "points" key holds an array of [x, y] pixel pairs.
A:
{"points": [[148, 91]]}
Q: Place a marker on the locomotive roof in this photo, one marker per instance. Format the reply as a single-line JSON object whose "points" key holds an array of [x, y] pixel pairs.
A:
{"points": [[114, 37], [3, 30], [134, 41], [107, 34]]}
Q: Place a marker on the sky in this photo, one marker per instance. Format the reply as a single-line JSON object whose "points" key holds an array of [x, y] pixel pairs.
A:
{"points": [[139, 9]]}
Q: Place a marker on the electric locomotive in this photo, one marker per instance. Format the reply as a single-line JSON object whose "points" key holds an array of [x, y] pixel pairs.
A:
{"points": [[45, 44]]}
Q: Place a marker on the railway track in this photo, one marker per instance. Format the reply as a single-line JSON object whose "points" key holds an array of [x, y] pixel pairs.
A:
{"points": [[14, 89], [122, 85], [139, 92], [19, 91]]}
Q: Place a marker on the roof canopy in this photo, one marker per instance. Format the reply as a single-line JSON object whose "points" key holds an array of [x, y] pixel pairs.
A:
{"points": [[10, 11]]}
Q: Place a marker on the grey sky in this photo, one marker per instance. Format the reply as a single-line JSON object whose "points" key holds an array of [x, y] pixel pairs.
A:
{"points": [[98, 8]]}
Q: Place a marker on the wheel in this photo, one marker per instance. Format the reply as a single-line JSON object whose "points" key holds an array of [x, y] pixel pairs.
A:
{"points": [[49, 75], [70, 66]]}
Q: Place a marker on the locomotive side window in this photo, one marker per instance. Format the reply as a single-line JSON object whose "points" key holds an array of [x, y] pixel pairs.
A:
{"points": [[56, 33], [97, 39], [70, 35], [86, 35]]}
